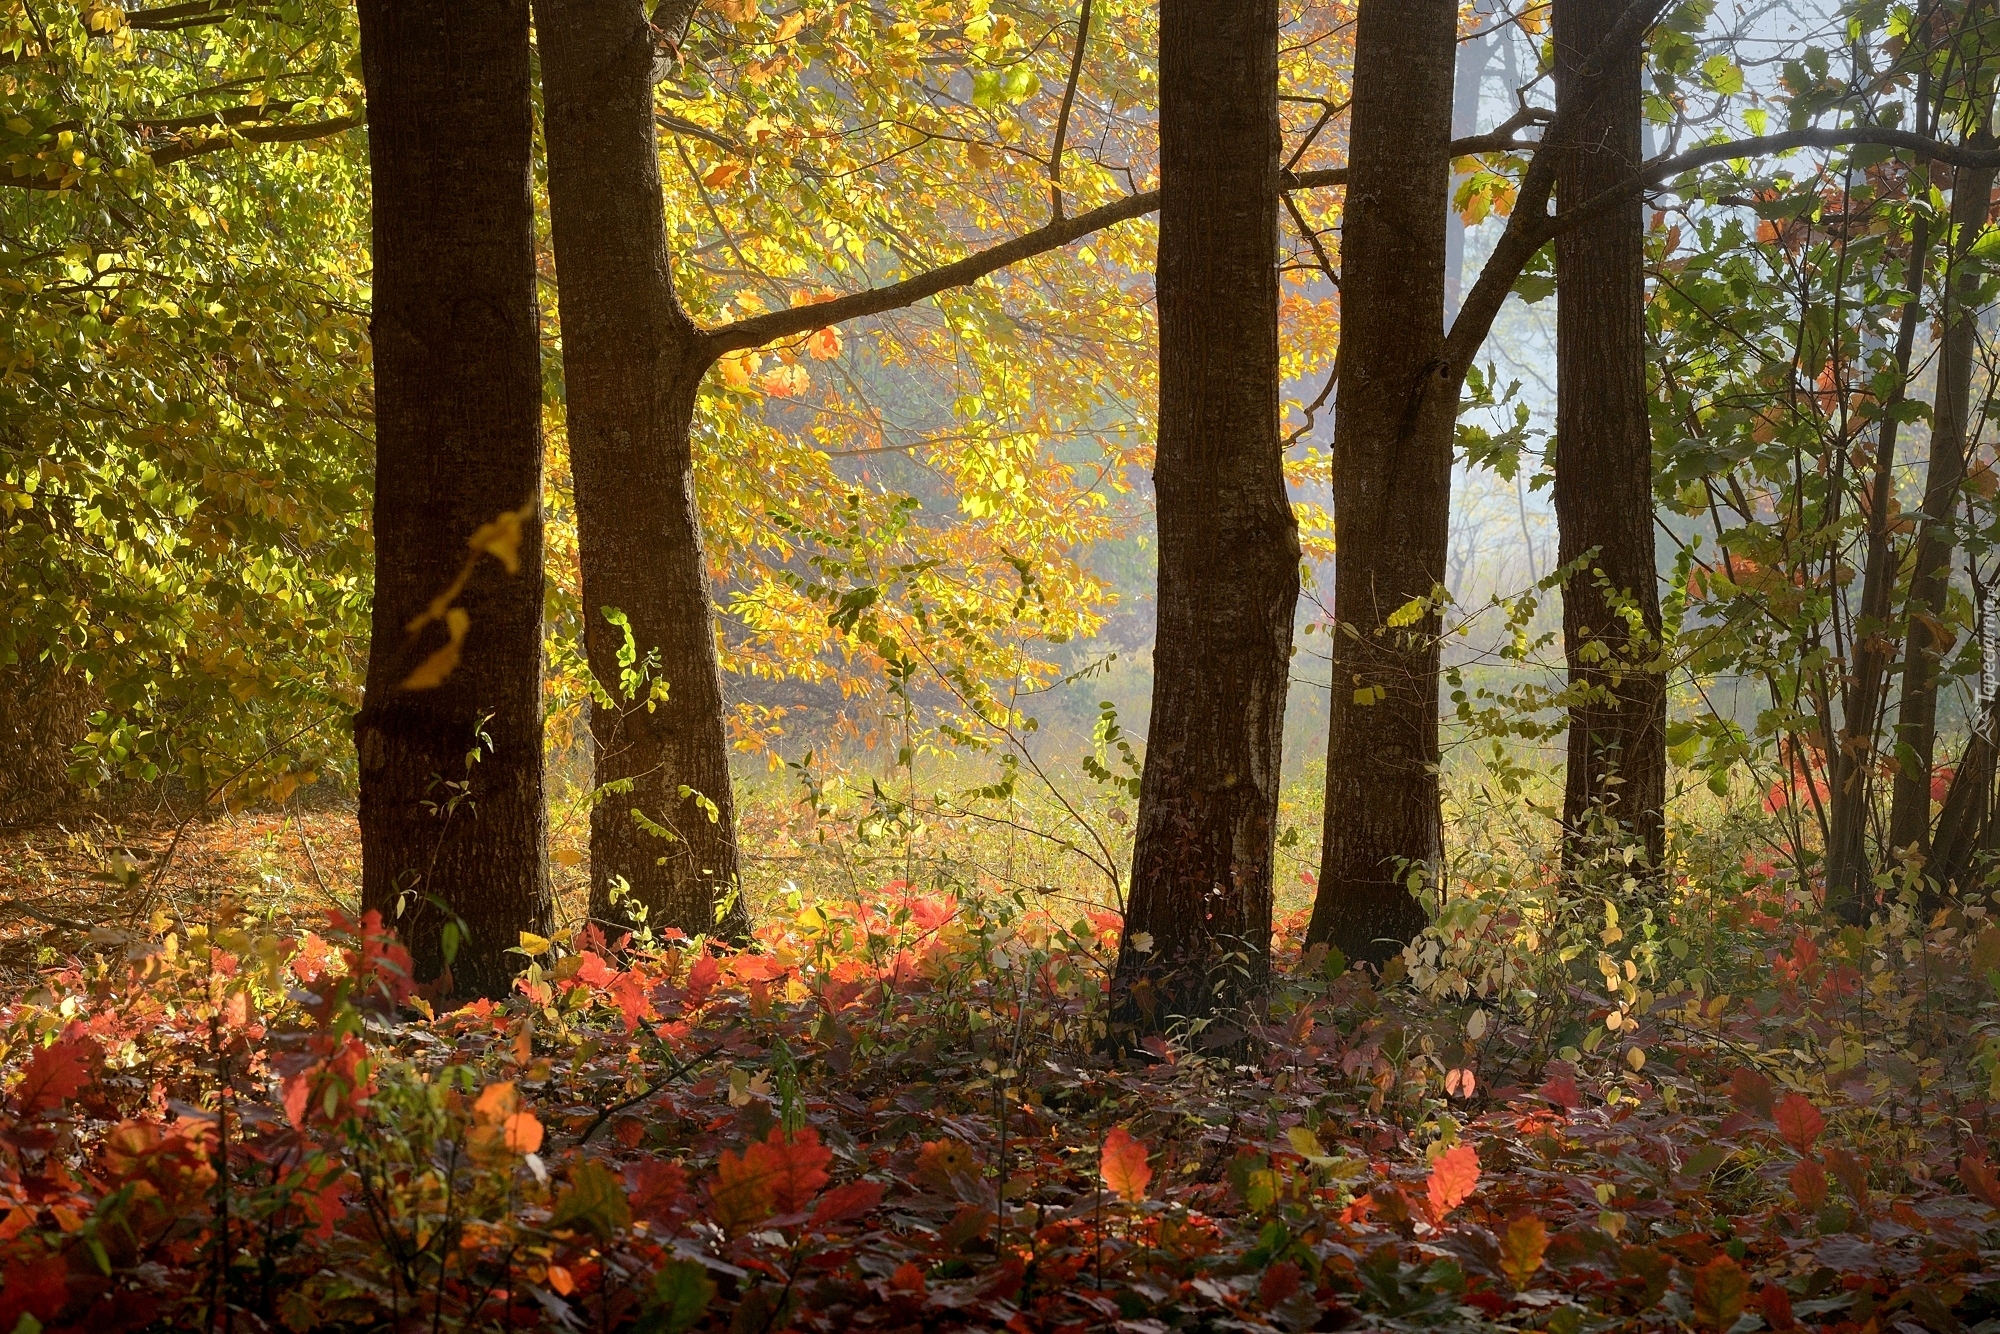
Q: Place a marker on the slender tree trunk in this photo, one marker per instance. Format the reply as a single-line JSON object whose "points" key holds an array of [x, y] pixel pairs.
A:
{"points": [[1852, 795], [1393, 432], [664, 824], [1474, 55], [458, 440], [1229, 550], [1604, 462], [1926, 640]]}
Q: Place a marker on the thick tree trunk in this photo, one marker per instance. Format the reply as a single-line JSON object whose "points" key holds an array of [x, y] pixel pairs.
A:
{"points": [[1229, 551], [664, 824], [1393, 431], [1617, 776], [1926, 640], [458, 441]]}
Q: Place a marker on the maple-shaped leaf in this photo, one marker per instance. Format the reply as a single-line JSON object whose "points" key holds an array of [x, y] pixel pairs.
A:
{"points": [[1123, 1164], [1798, 1121], [1453, 1178], [1979, 1178], [1720, 1289], [796, 1167], [701, 979], [59, 1072], [778, 1175], [1522, 1247], [851, 1200], [655, 1187], [740, 1196], [595, 1202]]}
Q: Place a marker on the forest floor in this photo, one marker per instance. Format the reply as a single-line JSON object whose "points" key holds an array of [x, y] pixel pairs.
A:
{"points": [[225, 1109]]}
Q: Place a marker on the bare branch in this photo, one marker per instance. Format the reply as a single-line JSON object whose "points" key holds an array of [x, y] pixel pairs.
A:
{"points": [[197, 13], [260, 134], [758, 330], [1062, 116]]}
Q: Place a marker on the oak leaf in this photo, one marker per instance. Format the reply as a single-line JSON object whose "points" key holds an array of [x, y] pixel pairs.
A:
{"points": [[1123, 1164], [1453, 1178]]}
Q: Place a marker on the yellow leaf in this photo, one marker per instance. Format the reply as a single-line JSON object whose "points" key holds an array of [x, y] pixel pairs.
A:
{"points": [[568, 856], [790, 27], [532, 944], [824, 345], [738, 11], [501, 539], [432, 671]]}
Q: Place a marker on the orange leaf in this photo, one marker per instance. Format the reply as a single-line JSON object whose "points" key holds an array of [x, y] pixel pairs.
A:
{"points": [[796, 1168], [722, 174], [1124, 1165], [1453, 1177], [1979, 1178], [741, 1195], [824, 345], [1798, 1121]]}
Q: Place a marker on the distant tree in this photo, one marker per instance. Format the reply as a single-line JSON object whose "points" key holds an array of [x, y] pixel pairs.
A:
{"points": [[450, 736]]}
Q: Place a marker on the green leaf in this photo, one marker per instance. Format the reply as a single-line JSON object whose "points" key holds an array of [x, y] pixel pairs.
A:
{"points": [[595, 1202], [681, 1294]]}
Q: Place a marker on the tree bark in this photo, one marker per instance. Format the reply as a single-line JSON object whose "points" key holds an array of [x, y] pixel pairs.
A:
{"points": [[664, 822], [1229, 550], [1615, 788], [1926, 640], [457, 441], [1393, 431]]}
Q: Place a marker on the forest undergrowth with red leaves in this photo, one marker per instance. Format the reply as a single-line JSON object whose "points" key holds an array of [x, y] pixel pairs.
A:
{"points": [[897, 1112]]}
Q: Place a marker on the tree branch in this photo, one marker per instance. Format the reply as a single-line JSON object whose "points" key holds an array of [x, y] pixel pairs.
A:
{"points": [[197, 13], [260, 134], [1062, 116], [758, 330]]}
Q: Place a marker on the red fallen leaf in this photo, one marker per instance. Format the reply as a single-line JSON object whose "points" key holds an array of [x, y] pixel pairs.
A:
{"points": [[1798, 1121], [1280, 1281], [1453, 1178], [1720, 1290], [1979, 1179], [1776, 1304], [843, 1202], [1751, 1090], [1809, 1183], [59, 1072], [36, 1285], [1124, 1165], [909, 1277], [1563, 1092], [701, 980]]}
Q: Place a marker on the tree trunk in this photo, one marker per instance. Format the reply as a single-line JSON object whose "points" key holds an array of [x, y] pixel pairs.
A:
{"points": [[1617, 776], [1474, 55], [458, 440], [664, 823], [1926, 639], [1229, 550], [1393, 431], [1852, 794]]}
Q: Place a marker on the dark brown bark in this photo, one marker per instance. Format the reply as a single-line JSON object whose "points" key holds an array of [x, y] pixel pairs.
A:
{"points": [[1229, 551], [632, 361], [1615, 789], [1391, 482], [457, 441], [1926, 640]]}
